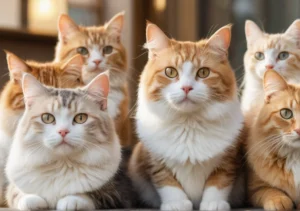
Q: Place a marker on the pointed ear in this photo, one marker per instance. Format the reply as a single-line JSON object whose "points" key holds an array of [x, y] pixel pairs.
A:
{"points": [[98, 89], [273, 83], [294, 31], [66, 28], [156, 40], [221, 38], [252, 31], [73, 65], [16, 66], [32, 88], [115, 25]]}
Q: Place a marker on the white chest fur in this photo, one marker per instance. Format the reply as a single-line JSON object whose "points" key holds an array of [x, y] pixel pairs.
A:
{"points": [[115, 97], [293, 164]]}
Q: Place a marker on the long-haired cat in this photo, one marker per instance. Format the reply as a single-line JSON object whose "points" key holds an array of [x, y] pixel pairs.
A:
{"points": [[273, 147], [66, 153], [11, 100], [102, 50], [188, 123], [280, 52]]}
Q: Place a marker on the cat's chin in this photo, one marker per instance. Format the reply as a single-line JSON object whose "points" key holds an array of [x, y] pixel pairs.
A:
{"points": [[185, 106]]}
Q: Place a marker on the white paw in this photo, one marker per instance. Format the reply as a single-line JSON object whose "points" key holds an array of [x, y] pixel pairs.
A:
{"points": [[177, 205], [214, 205], [75, 203], [32, 202]]}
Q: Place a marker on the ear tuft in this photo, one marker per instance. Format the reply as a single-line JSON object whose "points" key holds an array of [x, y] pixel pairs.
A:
{"points": [[294, 31], [252, 31], [16, 66], [116, 23], [221, 38], [66, 28]]}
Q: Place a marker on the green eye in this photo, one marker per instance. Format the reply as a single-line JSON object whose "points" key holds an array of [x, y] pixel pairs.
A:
{"points": [[82, 50], [48, 118], [286, 113], [283, 55], [203, 72], [259, 56], [171, 72], [107, 49], [80, 118]]}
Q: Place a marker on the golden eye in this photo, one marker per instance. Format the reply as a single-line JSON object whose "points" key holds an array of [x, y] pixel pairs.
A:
{"points": [[286, 113], [171, 72], [203, 72], [259, 56], [82, 50], [80, 118], [48, 118], [283, 55], [107, 49]]}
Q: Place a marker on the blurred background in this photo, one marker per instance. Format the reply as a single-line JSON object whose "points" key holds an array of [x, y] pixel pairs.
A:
{"points": [[28, 27]]}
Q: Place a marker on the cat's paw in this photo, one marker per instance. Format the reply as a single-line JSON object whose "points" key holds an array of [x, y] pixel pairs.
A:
{"points": [[279, 203], [214, 205], [32, 202], [75, 203], [185, 205]]}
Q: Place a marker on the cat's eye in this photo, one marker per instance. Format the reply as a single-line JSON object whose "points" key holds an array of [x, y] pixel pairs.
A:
{"points": [[283, 55], [82, 50], [171, 72], [203, 72], [286, 113], [259, 56], [80, 118], [107, 49], [48, 118]]}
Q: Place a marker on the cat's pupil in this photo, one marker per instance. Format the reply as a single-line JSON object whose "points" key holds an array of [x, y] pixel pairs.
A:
{"points": [[259, 56], [82, 50], [107, 49], [283, 55]]}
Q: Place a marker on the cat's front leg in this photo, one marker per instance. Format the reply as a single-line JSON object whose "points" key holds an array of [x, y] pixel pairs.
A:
{"points": [[215, 198], [75, 202], [32, 202]]}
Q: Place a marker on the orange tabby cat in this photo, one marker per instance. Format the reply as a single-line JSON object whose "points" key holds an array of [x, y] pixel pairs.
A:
{"points": [[102, 49], [11, 100], [273, 147]]}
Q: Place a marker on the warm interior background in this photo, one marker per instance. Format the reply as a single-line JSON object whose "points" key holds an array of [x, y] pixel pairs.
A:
{"points": [[28, 27]]}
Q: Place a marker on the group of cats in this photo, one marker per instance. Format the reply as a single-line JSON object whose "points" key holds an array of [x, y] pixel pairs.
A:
{"points": [[63, 123]]}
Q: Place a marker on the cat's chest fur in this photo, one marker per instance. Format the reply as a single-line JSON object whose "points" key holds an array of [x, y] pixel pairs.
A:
{"points": [[115, 98], [293, 164]]}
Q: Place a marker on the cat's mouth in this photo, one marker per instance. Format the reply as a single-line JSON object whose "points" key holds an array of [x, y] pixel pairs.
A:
{"points": [[64, 143]]}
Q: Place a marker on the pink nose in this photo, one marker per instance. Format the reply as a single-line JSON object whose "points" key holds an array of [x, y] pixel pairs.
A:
{"points": [[97, 62], [63, 133], [269, 66], [187, 89], [297, 131]]}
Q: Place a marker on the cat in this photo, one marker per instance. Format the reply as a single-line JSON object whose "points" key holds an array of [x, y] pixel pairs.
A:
{"points": [[11, 100], [273, 154], [188, 123], [280, 52], [66, 153], [102, 50]]}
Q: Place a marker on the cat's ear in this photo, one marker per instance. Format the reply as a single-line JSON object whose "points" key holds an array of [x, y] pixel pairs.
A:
{"points": [[16, 66], [221, 38], [73, 65], [32, 88], [252, 32], [98, 89], [115, 25], [294, 31], [156, 40], [273, 83], [66, 28]]}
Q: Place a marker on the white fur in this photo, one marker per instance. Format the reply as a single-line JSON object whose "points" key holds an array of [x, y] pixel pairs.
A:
{"points": [[115, 98], [215, 199], [76, 202], [32, 202]]}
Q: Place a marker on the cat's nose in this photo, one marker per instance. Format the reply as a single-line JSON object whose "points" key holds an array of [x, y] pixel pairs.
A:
{"points": [[187, 89], [297, 131], [97, 62], [269, 66], [63, 133]]}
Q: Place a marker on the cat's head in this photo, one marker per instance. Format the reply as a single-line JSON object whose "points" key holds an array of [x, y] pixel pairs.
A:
{"points": [[66, 121], [63, 74], [187, 76], [273, 51], [100, 47], [279, 118]]}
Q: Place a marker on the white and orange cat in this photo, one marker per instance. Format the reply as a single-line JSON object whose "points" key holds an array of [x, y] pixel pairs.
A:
{"points": [[102, 50], [188, 123], [280, 52], [273, 147]]}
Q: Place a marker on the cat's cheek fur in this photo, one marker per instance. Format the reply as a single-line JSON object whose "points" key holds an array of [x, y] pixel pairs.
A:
{"points": [[215, 199]]}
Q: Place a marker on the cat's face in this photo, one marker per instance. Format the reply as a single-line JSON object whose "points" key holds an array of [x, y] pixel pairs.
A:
{"points": [[100, 47], [65, 121], [273, 51], [280, 116], [187, 76]]}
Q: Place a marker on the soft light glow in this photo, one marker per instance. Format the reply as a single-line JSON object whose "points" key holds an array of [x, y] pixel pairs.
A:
{"points": [[45, 6], [160, 5]]}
